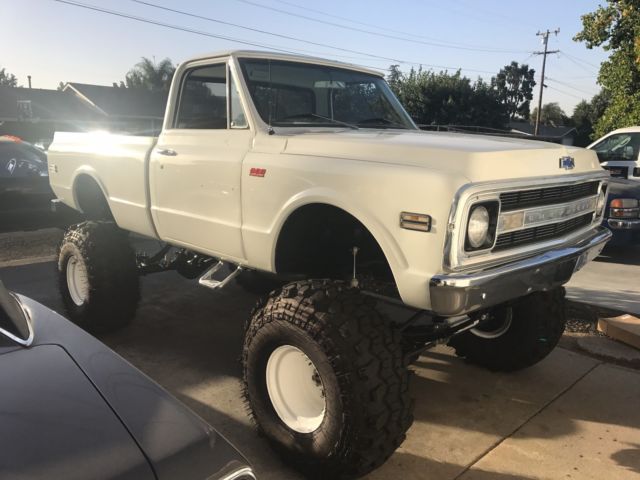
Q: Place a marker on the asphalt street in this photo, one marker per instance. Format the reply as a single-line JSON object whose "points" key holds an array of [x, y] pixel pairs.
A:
{"points": [[571, 416]]}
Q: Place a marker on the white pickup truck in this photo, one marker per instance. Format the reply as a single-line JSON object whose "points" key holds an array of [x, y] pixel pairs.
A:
{"points": [[310, 171]]}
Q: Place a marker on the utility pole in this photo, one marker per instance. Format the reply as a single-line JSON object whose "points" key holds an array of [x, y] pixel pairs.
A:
{"points": [[545, 40]]}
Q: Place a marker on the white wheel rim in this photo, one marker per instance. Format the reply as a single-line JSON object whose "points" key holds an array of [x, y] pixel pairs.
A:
{"points": [[77, 281], [295, 389], [496, 332]]}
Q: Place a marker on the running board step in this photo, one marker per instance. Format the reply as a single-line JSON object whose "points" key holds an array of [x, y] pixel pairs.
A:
{"points": [[227, 272]]}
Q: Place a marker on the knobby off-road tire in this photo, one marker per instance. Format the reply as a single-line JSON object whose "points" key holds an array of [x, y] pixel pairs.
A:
{"points": [[537, 323], [97, 276], [359, 368]]}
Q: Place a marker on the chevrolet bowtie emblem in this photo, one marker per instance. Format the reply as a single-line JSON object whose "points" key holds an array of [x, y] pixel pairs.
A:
{"points": [[568, 163]]}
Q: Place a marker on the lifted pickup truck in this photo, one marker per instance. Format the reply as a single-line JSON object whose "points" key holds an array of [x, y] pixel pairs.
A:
{"points": [[311, 171]]}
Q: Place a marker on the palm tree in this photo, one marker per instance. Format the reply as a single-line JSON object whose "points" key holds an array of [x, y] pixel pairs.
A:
{"points": [[8, 79], [151, 75]]}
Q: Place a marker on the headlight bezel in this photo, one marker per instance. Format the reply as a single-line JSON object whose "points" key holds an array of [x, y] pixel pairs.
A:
{"points": [[492, 207]]}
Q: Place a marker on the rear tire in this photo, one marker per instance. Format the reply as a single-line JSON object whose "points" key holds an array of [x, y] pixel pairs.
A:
{"points": [[530, 329], [97, 276], [354, 358]]}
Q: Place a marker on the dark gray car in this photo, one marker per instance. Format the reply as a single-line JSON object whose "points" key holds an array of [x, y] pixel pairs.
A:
{"points": [[71, 408]]}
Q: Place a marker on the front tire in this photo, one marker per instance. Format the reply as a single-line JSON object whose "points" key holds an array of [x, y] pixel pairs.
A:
{"points": [[325, 380], [519, 336], [97, 276]]}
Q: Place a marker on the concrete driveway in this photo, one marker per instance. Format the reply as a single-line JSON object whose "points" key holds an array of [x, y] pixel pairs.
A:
{"points": [[568, 417], [612, 281]]}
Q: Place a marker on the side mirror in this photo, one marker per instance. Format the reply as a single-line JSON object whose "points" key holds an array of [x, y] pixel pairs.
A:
{"points": [[14, 319]]}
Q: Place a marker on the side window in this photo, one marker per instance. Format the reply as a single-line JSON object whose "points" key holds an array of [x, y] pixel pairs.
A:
{"points": [[238, 118], [622, 146], [203, 99]]}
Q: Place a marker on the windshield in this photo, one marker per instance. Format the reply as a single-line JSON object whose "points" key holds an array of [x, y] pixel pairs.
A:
{"points": [[291, 94]]}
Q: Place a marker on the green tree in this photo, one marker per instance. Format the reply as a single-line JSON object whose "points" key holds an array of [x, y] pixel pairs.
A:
{"points": [[586, 115], [443, 98], [7, 79], [514, 84], [616, 28], [150, 75], [551, 115]]}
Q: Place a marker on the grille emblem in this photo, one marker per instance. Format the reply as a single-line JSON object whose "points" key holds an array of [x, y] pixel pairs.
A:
{"points": [[568, 163]]}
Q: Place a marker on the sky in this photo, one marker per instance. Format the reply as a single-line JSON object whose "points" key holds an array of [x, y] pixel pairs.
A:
{"points": [[54, 42]]}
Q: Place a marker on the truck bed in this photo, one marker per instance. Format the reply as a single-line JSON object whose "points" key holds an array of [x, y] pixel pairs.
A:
{"points": [[119, 161]]}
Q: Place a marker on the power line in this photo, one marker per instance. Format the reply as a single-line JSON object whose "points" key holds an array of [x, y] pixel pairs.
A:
{"points": [[254, 44], [564, 92], [257, 30], [570, 86], [483, 12], [266, 32], [582, 61], [380, 27], [571, 59], [371, 32], [167, 25], [212, 35]]}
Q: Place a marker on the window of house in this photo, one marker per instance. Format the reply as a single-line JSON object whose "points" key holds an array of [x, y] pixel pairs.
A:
{"points": [[203, 99]]}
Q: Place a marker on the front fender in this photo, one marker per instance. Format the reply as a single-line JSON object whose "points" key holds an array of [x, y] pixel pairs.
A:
{"points": [[373, 193], [321, 195]]}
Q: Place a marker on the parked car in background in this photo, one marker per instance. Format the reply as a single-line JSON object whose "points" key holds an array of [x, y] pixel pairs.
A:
{"points": [[25, 194], [73, 409], [618, 152], [23, 169], [622, 215]]}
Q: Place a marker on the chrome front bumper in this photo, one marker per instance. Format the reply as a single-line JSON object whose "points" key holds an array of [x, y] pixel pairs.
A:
{"points": [[460, 293]]}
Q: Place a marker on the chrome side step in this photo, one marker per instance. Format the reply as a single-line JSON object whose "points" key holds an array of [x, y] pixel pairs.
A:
{"points": [[207, 279]]}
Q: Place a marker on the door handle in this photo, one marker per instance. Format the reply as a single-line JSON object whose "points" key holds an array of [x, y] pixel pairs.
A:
{"points": [[167, 152]]}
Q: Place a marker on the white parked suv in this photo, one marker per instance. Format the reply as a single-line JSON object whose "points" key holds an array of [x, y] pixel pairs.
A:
{"points": [[618, 152], [308, 176]]}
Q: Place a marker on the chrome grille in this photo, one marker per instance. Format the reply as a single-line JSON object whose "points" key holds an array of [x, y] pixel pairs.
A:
{"points": [[546, 196], [543, 232]]}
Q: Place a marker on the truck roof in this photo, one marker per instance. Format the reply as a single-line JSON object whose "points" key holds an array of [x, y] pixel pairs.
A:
{"points": [[287, 57], [627, 130]]}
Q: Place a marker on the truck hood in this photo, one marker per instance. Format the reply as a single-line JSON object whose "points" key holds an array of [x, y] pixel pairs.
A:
{"points": [[477, 157]]}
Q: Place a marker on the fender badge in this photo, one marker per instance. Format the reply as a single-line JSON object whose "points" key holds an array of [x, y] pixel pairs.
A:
{"points": [[568, 163], [257, 172]]}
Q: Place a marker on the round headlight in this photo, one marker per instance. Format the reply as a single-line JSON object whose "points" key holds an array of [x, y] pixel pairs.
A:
{"points": [[600, 203], [478, 228]]}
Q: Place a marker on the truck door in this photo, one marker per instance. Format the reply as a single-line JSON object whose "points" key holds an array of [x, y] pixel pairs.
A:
{"points": [[195, 168]]}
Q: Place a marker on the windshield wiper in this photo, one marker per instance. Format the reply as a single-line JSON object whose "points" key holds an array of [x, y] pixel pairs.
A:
{"points": [[337, 122], [332, 120], [380, 122]]}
